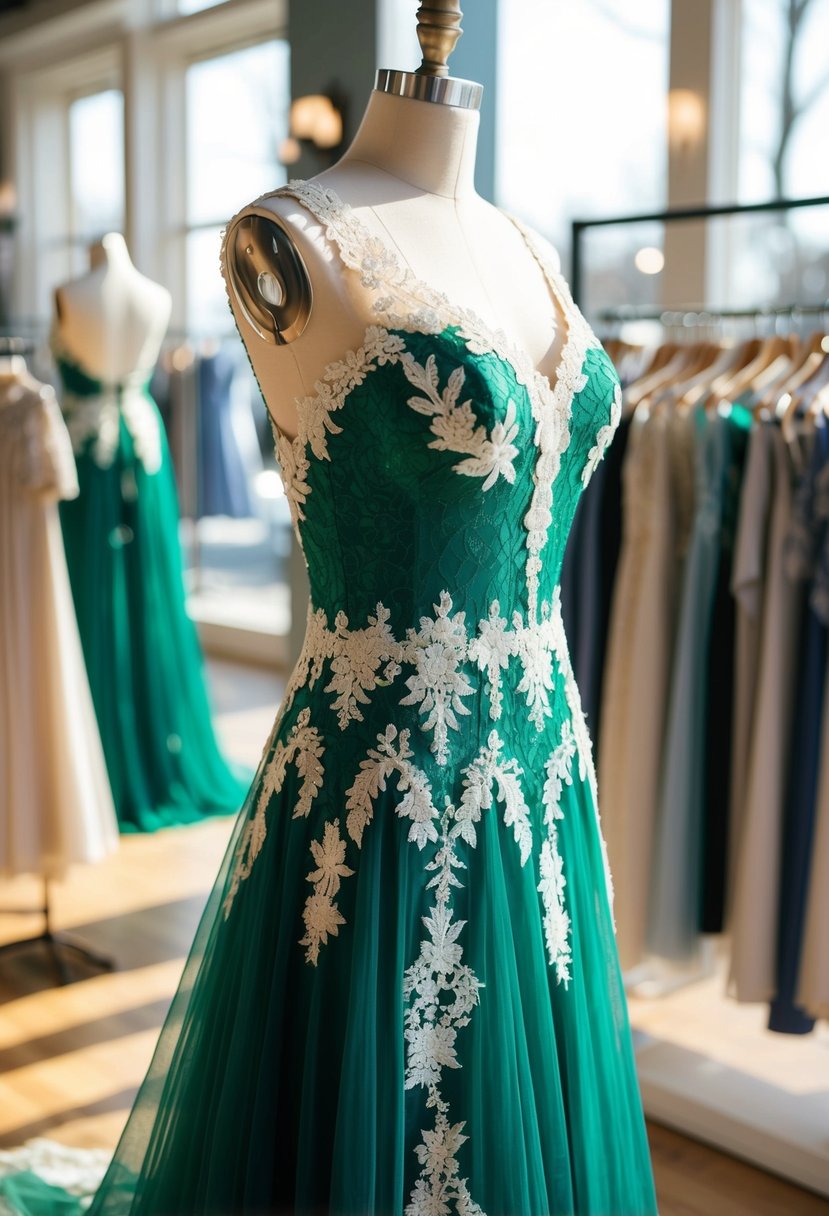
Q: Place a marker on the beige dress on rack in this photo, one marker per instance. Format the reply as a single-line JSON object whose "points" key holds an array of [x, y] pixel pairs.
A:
{"points": [[747, 584], [55, 801], [754, 907], [658, 508]]}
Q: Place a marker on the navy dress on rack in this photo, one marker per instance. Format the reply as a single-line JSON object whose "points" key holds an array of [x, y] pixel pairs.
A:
{"points": [[808, 560], [223, 483]]}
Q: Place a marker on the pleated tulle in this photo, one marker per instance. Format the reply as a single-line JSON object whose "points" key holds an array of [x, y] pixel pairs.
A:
{"points": [[279, 1087], [142, 652]]}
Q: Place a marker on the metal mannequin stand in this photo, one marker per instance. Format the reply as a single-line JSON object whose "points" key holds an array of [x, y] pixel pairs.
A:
{"points": [[56, 944]]}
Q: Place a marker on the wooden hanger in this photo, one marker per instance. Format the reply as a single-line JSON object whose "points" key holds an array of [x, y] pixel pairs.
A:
{"points": [[731, 387], [681, 357], [723, 360], [813, 355]]}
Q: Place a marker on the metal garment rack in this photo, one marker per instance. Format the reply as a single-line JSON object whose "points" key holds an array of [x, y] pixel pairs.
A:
{"points": [[694, 1091], [701, 316], [671, 216]]}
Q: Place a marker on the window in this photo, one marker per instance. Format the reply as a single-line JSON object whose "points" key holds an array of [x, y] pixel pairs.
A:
{"points": [[96, 165], [585, 135], [784, 116], [237, 117]]}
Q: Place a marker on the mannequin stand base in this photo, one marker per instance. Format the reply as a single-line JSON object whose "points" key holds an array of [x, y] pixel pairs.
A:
{"points": [[58, 947]]}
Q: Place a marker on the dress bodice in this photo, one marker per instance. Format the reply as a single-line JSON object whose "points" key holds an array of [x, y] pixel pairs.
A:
{"points": [[435, 470], [95, 411]]}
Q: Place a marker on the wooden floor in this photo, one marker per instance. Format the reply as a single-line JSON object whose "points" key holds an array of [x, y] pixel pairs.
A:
{"points": [[71, 1057]]}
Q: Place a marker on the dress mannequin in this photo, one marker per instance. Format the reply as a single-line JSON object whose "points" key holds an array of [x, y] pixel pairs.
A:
{"points": [[113, 319], [409, 177], [418, 861], [121, 536]]}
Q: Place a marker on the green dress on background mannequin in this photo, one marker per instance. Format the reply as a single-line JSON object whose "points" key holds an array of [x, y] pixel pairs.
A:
{"points": [[404, 996], [141, 648]]}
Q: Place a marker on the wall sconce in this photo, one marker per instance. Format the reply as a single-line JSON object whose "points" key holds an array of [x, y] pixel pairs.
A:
{"points": [[8, 206], [686, 120], [315, 120]]}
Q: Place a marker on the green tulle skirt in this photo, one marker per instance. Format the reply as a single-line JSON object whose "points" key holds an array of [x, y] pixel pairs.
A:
{"points": [[282, 1081], [142, 651]]}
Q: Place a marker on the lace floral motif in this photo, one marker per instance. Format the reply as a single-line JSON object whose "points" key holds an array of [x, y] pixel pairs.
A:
{"points": [[559, 772], [489, 769], [455, 425], [357, 655], [437, 650], [532, 643], [441, 990], [375, 771], [303, 747], [364, 657], [584, 747], [604, 437], [94, 424], [321, 915], [552, 408]]}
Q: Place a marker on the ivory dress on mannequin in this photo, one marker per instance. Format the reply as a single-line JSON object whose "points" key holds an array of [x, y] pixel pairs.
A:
{"points": [[404, 995], [55, 801], [121, 535]]}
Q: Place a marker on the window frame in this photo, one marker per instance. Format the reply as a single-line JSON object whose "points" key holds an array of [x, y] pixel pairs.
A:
{"points": [[144, 50]]}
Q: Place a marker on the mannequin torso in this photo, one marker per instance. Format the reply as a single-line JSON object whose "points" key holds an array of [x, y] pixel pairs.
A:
{"points": [[408, 178], [112, 320]]}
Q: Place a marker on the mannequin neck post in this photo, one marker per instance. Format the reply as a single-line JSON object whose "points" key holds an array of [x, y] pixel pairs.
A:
{"points": [[427, 145]]}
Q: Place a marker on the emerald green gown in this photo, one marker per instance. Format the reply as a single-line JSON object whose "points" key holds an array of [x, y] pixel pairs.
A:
{"points": [[141, 648], [404, 996]]}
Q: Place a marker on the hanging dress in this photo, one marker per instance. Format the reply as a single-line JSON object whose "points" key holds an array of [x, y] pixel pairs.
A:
{"points": [[142, 652], [55, 802], [807, 555], [677, 874], [755, 899], [404, 995]]}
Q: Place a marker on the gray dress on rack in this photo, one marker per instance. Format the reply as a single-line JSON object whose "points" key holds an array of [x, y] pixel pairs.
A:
{"points": [[755, 901], [674, 917]]}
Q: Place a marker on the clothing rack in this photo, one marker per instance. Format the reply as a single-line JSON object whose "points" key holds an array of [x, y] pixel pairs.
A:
{"points": [[10, 345], [670, 216], [699, 315], [694, 1089]]}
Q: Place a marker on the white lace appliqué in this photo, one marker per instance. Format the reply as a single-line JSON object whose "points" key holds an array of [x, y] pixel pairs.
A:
{"points": [[438, 686], [455, 425], [321, 916], [94, 425], [559, 772], [378, 766], [486, 770], [303, 747], [532, 644], [441, 990], [357, 657], [584, 747], [603, 438], [365, 657]]}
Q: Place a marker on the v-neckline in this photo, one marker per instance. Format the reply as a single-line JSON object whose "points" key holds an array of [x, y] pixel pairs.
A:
{"points": [[370, 254]]}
